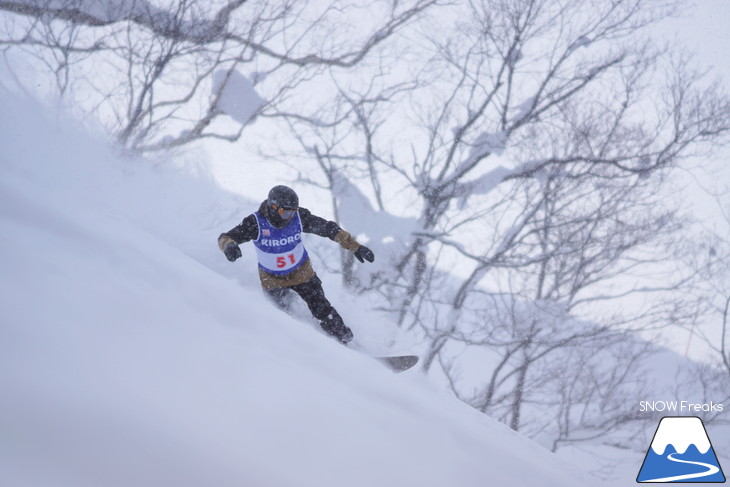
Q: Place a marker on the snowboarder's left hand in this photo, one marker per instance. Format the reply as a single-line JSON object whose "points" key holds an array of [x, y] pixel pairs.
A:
{"points": [[363, 253]]}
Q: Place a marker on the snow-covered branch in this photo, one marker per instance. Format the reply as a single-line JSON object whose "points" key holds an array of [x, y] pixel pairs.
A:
{"points": [[145, 68]]}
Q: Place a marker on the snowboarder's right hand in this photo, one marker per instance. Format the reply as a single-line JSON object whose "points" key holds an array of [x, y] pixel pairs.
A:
{"points": [[363, 253], [232, 251]]}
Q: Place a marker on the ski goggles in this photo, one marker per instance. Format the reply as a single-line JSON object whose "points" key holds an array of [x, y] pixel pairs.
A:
{"points": [[285, 213]]}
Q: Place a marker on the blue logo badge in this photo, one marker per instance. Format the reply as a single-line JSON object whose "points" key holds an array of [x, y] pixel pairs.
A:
{"points": [[681, 452]]}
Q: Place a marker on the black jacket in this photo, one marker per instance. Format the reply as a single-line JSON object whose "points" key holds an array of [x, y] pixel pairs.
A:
{"points": [[248, 229]]}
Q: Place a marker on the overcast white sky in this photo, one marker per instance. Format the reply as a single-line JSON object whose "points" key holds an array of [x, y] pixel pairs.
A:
{"points": [[706, 28]]}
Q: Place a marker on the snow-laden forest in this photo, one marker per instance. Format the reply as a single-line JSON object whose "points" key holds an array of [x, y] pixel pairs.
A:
{"points": [[524, 171]]}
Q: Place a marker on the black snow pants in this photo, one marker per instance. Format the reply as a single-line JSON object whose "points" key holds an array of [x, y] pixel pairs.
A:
{"points": [[313, 294]]}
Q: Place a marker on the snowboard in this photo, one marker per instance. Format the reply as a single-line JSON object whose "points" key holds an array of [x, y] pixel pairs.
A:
{"points": [[398, 363]]}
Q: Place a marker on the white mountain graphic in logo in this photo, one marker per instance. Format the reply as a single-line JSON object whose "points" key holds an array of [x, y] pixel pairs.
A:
{"points": [[681, 452]]}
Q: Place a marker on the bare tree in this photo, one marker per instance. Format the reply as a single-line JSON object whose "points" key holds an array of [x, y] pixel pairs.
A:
{"points": [[711, 258], [532, 149], [601, 397], [146, 68], [717, 277]]}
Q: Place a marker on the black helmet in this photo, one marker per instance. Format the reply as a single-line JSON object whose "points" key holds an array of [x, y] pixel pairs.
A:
{"points": [[283, 197]]}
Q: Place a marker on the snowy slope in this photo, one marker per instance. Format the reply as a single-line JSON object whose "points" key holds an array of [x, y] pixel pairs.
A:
{"points": [[130, 354]]}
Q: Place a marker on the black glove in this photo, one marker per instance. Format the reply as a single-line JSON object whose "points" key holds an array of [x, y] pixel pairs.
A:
{"points": [[363, 253], [232, 251]]}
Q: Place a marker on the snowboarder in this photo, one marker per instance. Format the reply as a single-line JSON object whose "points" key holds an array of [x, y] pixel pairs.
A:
{"points": [[276, 231]]}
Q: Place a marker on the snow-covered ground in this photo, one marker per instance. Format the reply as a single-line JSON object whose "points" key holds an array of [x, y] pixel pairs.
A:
{"points": [[133, 354]]}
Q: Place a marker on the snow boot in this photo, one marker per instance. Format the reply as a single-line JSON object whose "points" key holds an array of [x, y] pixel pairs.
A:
{"points": [[334, 325]]}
